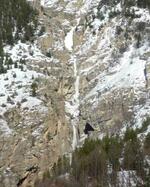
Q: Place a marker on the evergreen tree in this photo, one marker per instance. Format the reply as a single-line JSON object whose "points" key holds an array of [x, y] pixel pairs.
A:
{"points": [[33, 89], [17, 19]]}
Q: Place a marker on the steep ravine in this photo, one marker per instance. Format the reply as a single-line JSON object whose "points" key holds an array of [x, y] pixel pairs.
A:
{"points": [[72, 106]]}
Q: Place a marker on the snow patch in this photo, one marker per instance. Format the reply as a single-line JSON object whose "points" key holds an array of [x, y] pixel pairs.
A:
{"points": [[69, 40], [48, 3], [128, 178], [4, 128], [25, 51]]}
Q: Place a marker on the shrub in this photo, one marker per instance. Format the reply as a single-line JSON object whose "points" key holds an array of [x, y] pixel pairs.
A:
{"points": [[147, 144], [34, 87], [15, 65], [48, 54]]}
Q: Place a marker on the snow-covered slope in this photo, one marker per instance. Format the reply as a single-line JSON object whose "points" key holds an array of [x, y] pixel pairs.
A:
{"points": [[112, 65]]}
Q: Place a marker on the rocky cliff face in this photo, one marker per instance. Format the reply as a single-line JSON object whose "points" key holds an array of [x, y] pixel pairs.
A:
{"points": [[88, 65]]}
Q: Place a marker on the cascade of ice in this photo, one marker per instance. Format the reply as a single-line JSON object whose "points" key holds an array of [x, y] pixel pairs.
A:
{"points": [[73, 106]]}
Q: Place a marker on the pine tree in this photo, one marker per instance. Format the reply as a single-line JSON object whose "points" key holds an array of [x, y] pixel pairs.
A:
{"points": [[15, 21]]}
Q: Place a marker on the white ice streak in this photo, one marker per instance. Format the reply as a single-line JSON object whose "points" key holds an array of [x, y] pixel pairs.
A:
{"points": [[72, 107]]}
